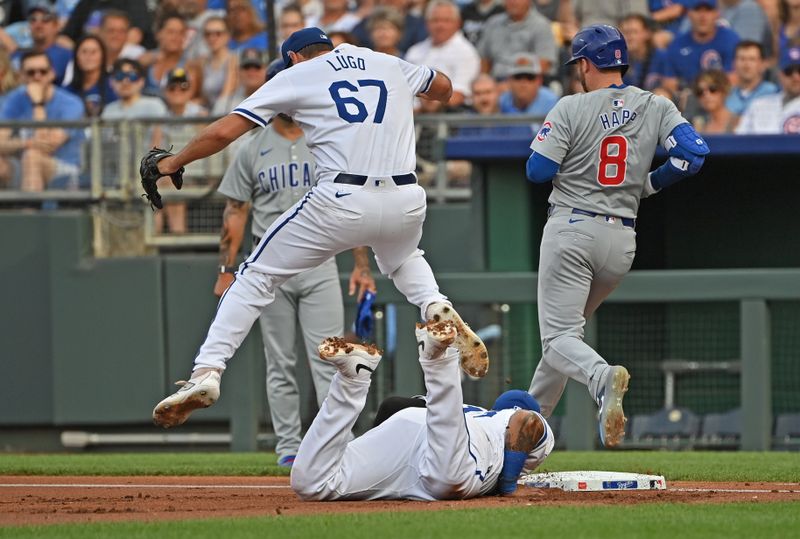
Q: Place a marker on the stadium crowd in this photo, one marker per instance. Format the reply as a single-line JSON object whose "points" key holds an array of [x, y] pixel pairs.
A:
{"points": [[731, 66]]}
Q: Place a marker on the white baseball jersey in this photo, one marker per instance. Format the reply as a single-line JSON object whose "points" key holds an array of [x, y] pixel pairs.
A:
{"points": [[352, 104], [769, 115]]}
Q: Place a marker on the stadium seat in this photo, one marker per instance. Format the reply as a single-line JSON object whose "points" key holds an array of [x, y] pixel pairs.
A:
{"points": [[666, 427], [722, 429], [787, 431]]}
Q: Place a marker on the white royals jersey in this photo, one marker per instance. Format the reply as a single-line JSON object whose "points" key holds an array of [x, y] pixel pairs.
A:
{"points": [[354, 106]]}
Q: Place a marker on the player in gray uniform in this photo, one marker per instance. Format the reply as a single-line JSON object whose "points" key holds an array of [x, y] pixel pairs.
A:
{"points": [[597, 148], [274, 169]]}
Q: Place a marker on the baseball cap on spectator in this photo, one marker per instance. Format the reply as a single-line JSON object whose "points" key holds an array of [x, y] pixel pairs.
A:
{"points": [[43, 7], [300, 40], [525, 63], [275, 67], [695, 4], [251, 58], [177, 76], [790, 57]]}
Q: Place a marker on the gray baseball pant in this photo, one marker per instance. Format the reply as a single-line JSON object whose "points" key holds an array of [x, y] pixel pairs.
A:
{"points": [[582, 260]]}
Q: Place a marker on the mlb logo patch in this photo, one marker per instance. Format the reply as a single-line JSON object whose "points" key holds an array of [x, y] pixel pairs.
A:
{"points": [[544, 131], [617, 103], [617, 56]]}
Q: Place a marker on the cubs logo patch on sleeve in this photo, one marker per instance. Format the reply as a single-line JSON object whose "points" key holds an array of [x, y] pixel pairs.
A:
{"points": [[544, 131]]}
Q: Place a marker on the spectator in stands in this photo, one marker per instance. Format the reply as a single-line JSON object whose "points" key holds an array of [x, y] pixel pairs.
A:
{"points": [[526, 95], [247, 29], [252, 73], [704, 47], [485, 95], [43, 23], [9, 77], [474, 16], [777, 113], [386, 30], [335, 17], [47, 154], [337, 38], [790, 23], [114, 28], [645, 62], [90, 80], [89, 13], [170, 35], [748, 20], [749, 67], [413, 27], [520, 29], [711, 89], [178, 97], [447, 50], [291, 20], [196, 13], [128, 80], [589, 12], [220, 68]]}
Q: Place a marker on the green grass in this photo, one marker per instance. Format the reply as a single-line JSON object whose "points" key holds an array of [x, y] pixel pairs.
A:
{"points": [[647, 520], [675, 466]]}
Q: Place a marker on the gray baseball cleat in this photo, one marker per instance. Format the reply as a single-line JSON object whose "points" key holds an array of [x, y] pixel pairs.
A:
{"points": [[474, 356], [355, 361], [611, 417], [433, 338], [199, 392]]}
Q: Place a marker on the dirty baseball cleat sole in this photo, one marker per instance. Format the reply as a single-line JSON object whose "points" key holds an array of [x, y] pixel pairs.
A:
{"points": [[611, 416], [356, 361], [433, 338], [200, 392], [474, 356]]}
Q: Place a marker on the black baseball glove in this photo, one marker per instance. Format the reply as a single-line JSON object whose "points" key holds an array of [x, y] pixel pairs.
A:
{"points": [[148, 170]]}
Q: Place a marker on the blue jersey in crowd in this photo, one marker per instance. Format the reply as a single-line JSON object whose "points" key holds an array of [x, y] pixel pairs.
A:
{"points": [[63, 106], [738, 101], [545, 100], [657, 5], [686, 58]]}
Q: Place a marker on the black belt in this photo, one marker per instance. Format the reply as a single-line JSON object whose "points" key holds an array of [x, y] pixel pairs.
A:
{"points": [[357, 179], [626, 221]]}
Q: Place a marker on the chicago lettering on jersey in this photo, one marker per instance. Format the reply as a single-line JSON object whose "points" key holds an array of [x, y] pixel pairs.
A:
{"points": [[616, 118], [347, 62], [285, 175]]}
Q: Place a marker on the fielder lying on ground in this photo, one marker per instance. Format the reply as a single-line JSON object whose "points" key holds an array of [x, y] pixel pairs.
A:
{"points": [[443, 451]]}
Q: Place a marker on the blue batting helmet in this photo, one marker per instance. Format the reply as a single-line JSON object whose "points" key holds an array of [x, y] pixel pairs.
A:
{"points": [[601, 44]]}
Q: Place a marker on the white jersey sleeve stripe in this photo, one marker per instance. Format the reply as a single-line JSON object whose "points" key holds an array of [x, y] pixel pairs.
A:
{"points": [[430, 80], [250, 115]]}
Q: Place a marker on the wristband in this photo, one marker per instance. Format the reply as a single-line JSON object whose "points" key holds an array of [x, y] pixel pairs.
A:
{"points": [[227, 269]]}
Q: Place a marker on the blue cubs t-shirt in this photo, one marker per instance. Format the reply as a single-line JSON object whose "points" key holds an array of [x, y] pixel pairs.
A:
{"points": [[686, 58]]}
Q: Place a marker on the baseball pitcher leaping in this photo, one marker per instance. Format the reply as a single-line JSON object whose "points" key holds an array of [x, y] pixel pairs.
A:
{"points": [[355, 108]]}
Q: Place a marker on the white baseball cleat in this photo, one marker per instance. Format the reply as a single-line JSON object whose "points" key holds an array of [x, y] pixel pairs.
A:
{"points": [[199, 392], [611, 416], [356, 361], [433, 338], [474, 356]]}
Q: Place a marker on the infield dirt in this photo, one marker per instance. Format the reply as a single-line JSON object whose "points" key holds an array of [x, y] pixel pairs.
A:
{"points": [[51, 500]]}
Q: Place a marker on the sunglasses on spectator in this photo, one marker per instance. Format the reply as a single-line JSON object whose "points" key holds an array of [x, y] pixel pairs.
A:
{"points": [[791, 70], [214, 33], [251, 66], [183, 86], [33, 72], [131, 76], [41, 18], [710, 89], [524, 76]]}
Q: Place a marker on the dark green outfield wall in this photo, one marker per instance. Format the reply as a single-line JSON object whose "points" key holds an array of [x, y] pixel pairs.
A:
{"points": [[91, 342]]}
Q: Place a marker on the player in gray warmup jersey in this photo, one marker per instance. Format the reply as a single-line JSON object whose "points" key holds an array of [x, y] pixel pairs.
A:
{"points": [[597, 148], [274, 169]]}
